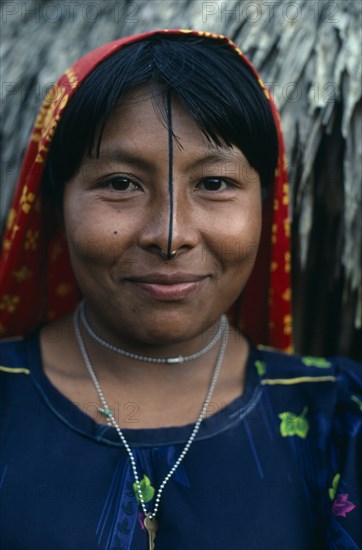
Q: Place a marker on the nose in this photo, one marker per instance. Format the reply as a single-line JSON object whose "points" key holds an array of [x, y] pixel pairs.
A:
{"points": [[170, 226]]}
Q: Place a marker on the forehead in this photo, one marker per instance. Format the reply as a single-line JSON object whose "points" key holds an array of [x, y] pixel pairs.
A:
{"points": [[140, 123], [143, 114]]}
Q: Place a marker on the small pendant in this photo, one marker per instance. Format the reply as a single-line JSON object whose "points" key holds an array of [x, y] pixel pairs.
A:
{"points": [[106, 412], [151, 526]]}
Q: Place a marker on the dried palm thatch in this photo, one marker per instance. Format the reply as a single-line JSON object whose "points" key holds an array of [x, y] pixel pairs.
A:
{"points": [[308, 52]]}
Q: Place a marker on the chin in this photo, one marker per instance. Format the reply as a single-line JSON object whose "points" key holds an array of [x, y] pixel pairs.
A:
{"points": [[171, 327]]}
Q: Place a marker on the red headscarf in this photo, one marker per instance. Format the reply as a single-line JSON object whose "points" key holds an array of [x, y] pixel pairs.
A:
{"points": [[37, 284]]}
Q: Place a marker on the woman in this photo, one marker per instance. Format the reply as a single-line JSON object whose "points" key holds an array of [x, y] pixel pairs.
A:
{"points": [[133, 415]]}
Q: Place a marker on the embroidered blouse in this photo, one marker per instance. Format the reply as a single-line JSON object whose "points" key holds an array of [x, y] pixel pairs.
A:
{"points": [[277, 469]]}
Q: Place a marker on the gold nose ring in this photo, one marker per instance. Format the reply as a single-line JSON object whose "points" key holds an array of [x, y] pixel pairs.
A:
{"points": [[167, 256]]}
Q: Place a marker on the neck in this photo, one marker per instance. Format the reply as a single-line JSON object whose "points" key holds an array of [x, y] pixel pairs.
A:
{"points": [[160, 391], [164, 351], [123, 368], [164, 394]]}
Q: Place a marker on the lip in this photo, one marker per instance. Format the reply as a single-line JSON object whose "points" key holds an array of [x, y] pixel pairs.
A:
{"points": [[169, 287], [166, 278]]}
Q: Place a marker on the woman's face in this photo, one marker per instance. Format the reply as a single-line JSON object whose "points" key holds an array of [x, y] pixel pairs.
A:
{"points": [[117, 216]]}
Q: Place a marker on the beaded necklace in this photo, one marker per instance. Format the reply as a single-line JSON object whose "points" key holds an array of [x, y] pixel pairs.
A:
{"points": [[150, 521]]}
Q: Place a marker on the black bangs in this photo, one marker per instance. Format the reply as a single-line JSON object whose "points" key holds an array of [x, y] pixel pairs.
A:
{"points": [[213, 84]]}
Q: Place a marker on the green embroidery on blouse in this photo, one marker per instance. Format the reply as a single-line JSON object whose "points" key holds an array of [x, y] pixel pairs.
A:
{"points": [[291, 424], [319, 362], [14, 371], [147, 490], [332, 490], [357, 400], [260, 367]]}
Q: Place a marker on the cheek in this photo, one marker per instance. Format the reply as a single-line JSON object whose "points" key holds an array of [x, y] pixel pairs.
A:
{"points": [[96, 235], [237, 237], [237, 257]]}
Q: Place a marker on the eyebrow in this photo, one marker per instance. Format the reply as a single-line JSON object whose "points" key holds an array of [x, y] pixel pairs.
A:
{"points": [[126, 157], [214, 158], [120, 157]]}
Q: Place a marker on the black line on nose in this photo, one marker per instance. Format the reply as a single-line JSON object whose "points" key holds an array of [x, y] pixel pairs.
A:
{"points": [[170, 175]]}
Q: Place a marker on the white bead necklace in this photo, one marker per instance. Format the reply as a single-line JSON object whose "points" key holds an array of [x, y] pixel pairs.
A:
{"points": [[150, 517], [168, 360]]}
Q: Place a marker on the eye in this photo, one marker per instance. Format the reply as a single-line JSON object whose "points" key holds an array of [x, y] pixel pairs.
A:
{"points": [[121, 183], [215, 184]]}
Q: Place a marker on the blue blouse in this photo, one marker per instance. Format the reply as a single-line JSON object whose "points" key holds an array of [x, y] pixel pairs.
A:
{"points": [[277, 469]]}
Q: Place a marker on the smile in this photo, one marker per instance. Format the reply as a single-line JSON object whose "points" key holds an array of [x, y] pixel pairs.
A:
{"points": [[169, 288]]}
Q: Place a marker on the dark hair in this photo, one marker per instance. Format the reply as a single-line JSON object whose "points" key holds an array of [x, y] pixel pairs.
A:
{"points": [[218, 90]]}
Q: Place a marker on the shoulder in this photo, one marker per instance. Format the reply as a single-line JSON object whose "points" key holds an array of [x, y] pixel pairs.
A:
{"points": [[18, 360], [315, 404], [15, 355], [320, 388], [277, 368], [317, 407]]}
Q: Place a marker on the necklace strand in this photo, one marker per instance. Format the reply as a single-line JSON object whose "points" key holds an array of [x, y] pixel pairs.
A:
{"points": [[109, 414], [168, 360]]}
